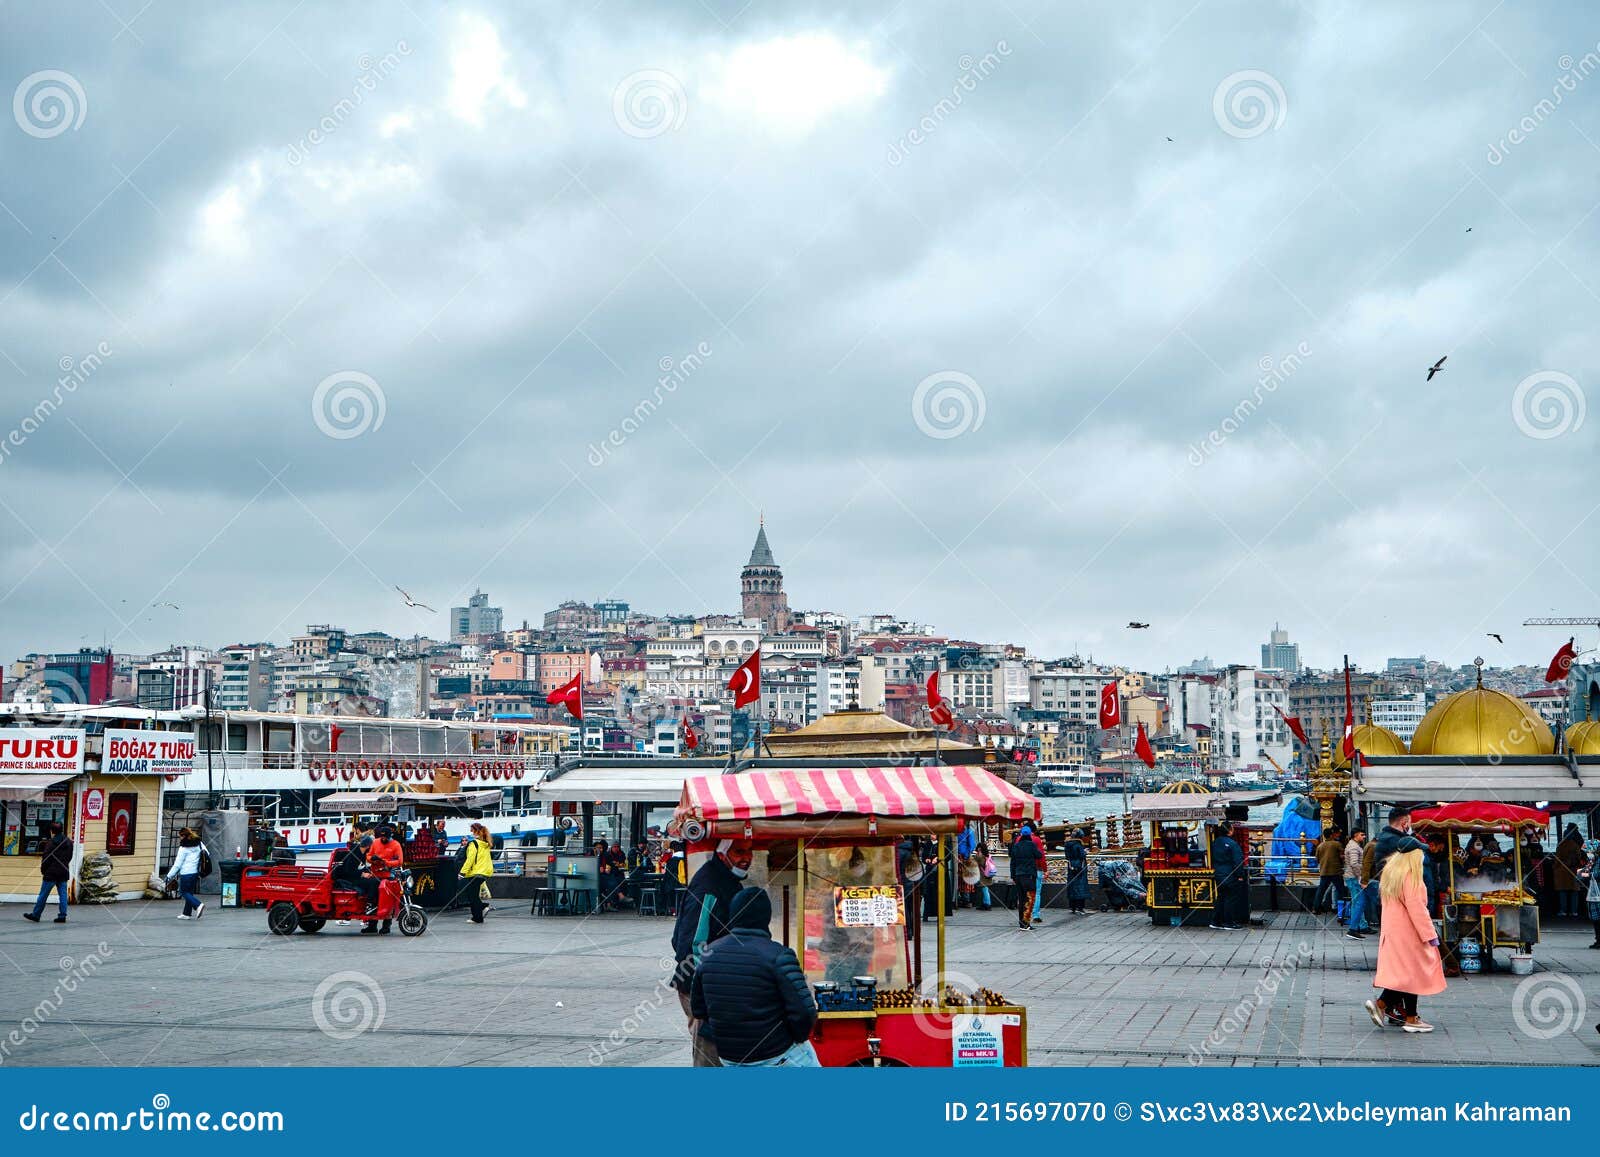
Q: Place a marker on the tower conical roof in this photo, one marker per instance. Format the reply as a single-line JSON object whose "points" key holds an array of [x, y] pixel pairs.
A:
{"points": [[761, 553]]}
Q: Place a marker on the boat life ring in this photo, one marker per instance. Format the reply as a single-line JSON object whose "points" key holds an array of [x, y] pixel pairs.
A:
{"points": [[393, 768], [362, 770], [313, 772], [349, 773]]}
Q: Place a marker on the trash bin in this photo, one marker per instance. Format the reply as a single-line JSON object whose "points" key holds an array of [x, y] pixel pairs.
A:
{"points": [[232, 873]]}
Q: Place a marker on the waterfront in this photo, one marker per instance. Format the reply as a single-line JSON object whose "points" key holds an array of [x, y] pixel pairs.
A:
{"points": [[1100, 990]]}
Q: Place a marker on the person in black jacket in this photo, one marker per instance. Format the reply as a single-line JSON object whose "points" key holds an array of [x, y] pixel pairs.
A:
{"points": [[751, 993], [1231, 910], [1026, 860], [55, 869], [350, 873], [703, 920]]}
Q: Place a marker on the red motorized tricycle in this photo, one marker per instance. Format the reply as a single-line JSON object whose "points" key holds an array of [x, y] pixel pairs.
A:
{"points": [[305, 898]]}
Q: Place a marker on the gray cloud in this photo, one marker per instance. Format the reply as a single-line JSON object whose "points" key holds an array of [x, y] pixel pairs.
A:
{"points": [[511, 267]]}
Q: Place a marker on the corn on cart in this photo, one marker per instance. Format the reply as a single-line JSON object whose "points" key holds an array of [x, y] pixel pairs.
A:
{"points": [[825, 843], [1485, 904]]}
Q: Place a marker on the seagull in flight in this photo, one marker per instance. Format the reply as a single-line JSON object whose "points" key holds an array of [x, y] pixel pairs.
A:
{"points": [[1436, 367], [1138, 626], [1495, 637], [174, 606], [411, 602]]}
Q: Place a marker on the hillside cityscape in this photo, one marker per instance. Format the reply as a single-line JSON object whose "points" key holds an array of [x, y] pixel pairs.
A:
{"points": [[645, 676]]}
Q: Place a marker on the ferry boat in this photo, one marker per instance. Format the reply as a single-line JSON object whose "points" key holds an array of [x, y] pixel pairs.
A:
{"points": [[1063, 780], [278, 766]]}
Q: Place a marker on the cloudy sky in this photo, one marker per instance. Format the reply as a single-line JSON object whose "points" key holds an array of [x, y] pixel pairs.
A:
{"points": [[1021, 319]]}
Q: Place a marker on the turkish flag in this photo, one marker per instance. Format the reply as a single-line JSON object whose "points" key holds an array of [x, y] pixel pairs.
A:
{"points": [[334, 731], [746, 681], [938, 709], [1562, 663], [690, 739], [1294, 725], [1110, 706], [570, 695], [1348, 747], [1141, 748]]}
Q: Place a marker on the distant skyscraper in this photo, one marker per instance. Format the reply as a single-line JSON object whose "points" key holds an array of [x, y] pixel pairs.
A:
{"points": [[1280, 654], [476, 618], [761, 585]]}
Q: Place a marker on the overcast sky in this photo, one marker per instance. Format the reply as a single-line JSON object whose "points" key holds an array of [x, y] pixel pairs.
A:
{"points": [[379, 290]]}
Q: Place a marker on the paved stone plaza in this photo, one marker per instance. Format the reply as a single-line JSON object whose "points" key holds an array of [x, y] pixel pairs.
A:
{"points": [[1100, 990]]}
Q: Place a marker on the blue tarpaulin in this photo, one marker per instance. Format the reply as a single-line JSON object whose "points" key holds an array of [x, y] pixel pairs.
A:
{"points": [[1300, 822]]}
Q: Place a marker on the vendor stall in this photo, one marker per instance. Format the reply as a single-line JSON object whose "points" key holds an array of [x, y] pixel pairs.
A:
{"points": [[1485, 905], [1179, 884], [826, 841]]}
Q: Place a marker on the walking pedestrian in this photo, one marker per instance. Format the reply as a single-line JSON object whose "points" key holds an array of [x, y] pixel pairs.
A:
{"points": [[702, 921], [476, 871], [752, 996], [1409, 964], [1044, 878], [1077, 872], [1025, 865], [186, 870], [987, 874], [1355, 850], [1568, 859], [55, 869], [1590, 873], [1330, 869], [1230, 911]]}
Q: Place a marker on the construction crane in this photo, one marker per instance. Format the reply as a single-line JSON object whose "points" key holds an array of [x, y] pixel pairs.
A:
{"points": [[1564, 621]]}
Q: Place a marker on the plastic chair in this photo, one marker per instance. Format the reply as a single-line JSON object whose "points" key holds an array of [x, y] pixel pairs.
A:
{"points": [[647, 902]]}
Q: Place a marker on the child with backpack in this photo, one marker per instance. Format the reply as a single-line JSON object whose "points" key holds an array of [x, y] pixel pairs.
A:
{"points": [[191, 864]]}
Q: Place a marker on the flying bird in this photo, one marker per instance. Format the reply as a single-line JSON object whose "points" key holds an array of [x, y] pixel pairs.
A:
{"points": [[174, 606], [1469, 228], [1495, 637], [411, 602], [1169, 140], [1138, 626], [1436, 367]]}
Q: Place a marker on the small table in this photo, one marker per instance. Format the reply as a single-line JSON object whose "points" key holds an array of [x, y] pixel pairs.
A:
{"points": [[579, 905]]}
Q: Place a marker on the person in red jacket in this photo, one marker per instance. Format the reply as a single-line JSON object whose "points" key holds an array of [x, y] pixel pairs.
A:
{"points": [[384, 857]]}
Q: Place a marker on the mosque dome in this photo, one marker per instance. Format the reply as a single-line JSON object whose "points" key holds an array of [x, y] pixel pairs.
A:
{"points": [[1482, 721]]}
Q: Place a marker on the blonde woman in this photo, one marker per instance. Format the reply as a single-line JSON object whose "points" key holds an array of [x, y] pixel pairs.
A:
{"points": [[1409, 965]]}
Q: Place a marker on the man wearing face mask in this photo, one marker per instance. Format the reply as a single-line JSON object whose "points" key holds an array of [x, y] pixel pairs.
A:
{"points": [[703, 919]]}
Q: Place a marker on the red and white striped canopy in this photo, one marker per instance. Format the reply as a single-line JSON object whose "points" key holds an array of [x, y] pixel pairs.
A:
{"points": [[959, 792]]}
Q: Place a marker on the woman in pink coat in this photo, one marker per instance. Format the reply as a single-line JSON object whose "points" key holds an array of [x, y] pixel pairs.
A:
{"points": [[1408, 946]]}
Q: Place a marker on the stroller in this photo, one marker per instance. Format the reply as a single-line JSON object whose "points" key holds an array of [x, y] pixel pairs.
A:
{"points": [[1119, 879]]}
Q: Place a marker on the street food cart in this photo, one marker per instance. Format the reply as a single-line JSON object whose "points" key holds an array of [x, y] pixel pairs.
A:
{"points": [[1485, 905], [825, 843], [1179, 885]]}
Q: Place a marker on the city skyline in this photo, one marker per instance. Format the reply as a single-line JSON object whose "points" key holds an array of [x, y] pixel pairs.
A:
{"points": [[480, 298]]}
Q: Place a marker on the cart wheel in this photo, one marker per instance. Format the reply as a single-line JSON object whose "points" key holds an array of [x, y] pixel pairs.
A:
{"points": [[312, 923], [282, 918], [413, 922]]}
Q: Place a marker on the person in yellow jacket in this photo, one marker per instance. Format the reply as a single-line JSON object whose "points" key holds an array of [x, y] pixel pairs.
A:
{"points": [[476, 869]]}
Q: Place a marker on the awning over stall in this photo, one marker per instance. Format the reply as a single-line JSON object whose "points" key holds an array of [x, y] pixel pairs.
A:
{"points": [[389, 802], [1519, 779], [619, 784], [22, 787], [1188, 807], [932, 792]]}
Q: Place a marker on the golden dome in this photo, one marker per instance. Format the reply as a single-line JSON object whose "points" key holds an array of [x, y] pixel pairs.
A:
{"points": [[1584, 738], [1184, 787], [1482, 721], [1370, 739]]}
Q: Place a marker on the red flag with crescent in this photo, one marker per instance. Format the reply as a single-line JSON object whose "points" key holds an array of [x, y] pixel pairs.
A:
{"points": [[691, 740], [1348, 747], [938, 710], [1142, 748], [1110, 706], [569, 695], [1562, 663], [334, 731], [746, 681]]}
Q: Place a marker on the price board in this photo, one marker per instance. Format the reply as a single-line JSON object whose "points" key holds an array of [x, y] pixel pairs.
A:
{"points": [[869, 906]]}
